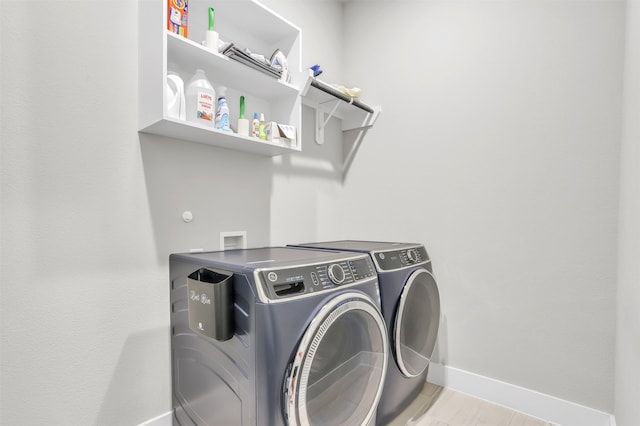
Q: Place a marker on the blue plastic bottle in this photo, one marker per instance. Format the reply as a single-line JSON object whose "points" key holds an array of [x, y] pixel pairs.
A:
{"points": [[222, 114]]}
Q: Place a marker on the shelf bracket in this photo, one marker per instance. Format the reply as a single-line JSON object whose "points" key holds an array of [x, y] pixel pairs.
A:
{"points": [[321, 121]]}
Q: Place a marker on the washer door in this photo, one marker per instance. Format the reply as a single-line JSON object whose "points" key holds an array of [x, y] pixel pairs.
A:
{"points": [[337, 373], [416, 323]]}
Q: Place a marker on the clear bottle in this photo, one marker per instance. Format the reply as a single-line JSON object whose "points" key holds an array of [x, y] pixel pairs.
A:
{"points": [[200, 99], [222, 114]]}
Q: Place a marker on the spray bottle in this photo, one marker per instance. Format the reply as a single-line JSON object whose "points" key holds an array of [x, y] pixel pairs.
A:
{"points": [[255, 125], [222, 114]]}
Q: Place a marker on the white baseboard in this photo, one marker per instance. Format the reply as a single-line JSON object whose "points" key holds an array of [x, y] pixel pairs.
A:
{"points": [[535, 404], [162, 420]]}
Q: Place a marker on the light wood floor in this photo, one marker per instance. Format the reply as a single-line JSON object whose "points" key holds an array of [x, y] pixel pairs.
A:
{"points": [[438, 406]]}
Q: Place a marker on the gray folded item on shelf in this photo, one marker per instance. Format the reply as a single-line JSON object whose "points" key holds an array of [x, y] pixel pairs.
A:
{"points": [[253, 60]]}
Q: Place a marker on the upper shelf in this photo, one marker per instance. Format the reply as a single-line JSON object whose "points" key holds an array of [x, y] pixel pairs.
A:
{"points": [[326, 93], [353, 113]]}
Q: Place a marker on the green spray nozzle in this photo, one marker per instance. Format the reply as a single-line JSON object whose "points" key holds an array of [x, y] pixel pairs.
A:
{"points": [[241, 106], [212, 15]]}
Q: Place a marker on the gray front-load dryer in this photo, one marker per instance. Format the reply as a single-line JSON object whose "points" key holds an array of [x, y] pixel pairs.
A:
{"points": [[276, 336], [411, 309]]}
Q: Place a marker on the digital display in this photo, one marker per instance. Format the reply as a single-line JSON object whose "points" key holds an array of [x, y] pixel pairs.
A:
{"points": [[362, 268]]}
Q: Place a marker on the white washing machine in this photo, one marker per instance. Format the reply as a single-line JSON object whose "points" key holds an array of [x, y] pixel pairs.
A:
{"points": [[411, 309], [276, 336]]}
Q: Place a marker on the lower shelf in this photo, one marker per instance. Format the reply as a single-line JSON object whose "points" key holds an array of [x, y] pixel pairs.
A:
{"points": [[228, 140]]}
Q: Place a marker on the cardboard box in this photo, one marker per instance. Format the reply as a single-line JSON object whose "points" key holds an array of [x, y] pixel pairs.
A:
{"points": [[178, 17], [281, 133]]}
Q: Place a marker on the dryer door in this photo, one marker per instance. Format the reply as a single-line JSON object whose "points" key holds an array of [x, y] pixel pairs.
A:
{"points": [[337, 373], [416, 323]]}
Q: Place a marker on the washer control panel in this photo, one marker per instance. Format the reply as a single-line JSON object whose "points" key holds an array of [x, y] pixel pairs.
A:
{"points": [[397, 259], [301, 280]]}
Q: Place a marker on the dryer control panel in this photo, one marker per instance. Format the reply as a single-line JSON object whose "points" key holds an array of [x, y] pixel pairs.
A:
{"points": [[302, 280], [397, 259]]}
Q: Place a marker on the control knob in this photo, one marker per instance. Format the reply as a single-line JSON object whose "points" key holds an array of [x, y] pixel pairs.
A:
{"points": [[336, 273], [412, 255]]}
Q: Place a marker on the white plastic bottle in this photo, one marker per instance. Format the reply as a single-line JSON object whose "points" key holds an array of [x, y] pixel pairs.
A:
{"points": [[176, 103], [201, 99], [222, 114]]}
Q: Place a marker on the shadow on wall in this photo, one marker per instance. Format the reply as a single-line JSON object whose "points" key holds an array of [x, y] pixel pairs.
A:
{"points": [[441, 351], [128, 400], [225, 190], [329, 160], [307, 186], [322, 162]]}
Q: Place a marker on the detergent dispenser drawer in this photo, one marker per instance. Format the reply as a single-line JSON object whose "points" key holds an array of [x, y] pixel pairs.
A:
{"points": [[211, 303]]}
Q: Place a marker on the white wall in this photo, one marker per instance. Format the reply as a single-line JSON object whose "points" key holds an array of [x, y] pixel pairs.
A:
{"points": [[90, 212], [508, 158], [627, 390], [498, 147]]}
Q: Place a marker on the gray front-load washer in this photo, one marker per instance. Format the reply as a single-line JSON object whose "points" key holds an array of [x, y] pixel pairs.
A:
{"points": [[411, 309], [276, 336]]}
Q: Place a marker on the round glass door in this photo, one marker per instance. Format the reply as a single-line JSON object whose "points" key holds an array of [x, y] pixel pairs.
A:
{"points": [[416, 323], [337, 374]]}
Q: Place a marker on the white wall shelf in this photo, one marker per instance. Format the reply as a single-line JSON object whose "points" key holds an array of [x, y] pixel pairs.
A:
{"points": [[330, 102], [354, 114], [247, 24], [194, 132], [158, 47]]}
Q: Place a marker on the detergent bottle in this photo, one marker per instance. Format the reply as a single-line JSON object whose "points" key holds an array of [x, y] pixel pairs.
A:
{"points": [[176, 106]]}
